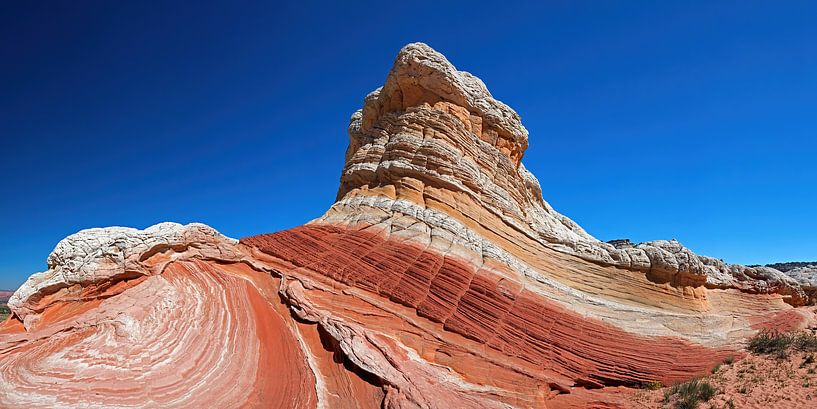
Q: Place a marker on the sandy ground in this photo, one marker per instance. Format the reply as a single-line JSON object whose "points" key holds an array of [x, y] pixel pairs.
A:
{"points": [[754, 382]]}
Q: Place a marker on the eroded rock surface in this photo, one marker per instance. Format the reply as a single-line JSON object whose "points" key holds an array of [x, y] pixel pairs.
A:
{"points": [[105, 256], [434, 131], [440, 278]]}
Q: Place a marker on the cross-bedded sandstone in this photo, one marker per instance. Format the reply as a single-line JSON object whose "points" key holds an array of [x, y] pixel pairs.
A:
{"points": [[440, 278]]}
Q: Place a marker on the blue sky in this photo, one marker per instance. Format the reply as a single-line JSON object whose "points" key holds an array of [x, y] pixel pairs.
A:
{"points": [[648, 120]]}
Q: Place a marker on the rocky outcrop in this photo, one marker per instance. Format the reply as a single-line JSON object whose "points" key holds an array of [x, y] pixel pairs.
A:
{"points": [[804, 274], [440, 278], [142, 320], [784, 267], [433, 129], [485, 304], [106, 256]]}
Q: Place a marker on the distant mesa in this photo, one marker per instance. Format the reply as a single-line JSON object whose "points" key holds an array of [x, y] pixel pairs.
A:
{"points": [[784, 267], [440, 278]]}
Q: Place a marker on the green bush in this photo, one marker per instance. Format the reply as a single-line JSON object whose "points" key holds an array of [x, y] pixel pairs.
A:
{"points": [[706, 391], [690, 393], [778, 343], [770, 342], [805, 341]]}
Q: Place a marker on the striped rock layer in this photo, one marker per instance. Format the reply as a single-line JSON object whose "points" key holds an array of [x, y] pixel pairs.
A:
{"points": [[440, 278]]}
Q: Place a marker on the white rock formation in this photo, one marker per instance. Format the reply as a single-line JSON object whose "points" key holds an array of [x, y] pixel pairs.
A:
{"points": [[432, 125], [106, 254]]}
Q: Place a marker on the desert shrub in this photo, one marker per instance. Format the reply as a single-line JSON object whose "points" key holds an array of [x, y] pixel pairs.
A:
{"points": [[686, 404], [778, 343], [690, 393], [706, 391], [805, 341], [729, 360], [770, 342]]}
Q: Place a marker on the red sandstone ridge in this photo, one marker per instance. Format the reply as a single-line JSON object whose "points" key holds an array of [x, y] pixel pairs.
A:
{"points": [[440, 278]]}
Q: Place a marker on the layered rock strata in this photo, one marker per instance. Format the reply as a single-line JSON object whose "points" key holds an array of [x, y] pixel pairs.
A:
{"points": [[440, 278], [435, 133]]}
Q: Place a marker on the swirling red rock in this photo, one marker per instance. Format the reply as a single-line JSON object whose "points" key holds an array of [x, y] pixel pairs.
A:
{"points": [[198, 335], [440, 278]]}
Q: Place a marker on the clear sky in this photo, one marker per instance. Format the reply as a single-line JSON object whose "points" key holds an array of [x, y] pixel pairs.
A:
{"points": [[648, 120]]}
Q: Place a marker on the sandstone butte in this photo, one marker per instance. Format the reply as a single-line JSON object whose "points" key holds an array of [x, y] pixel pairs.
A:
{"points": [[440, 278]]}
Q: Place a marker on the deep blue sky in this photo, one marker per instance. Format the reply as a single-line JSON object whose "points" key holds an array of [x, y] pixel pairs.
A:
{"points": [[647, 120]]}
